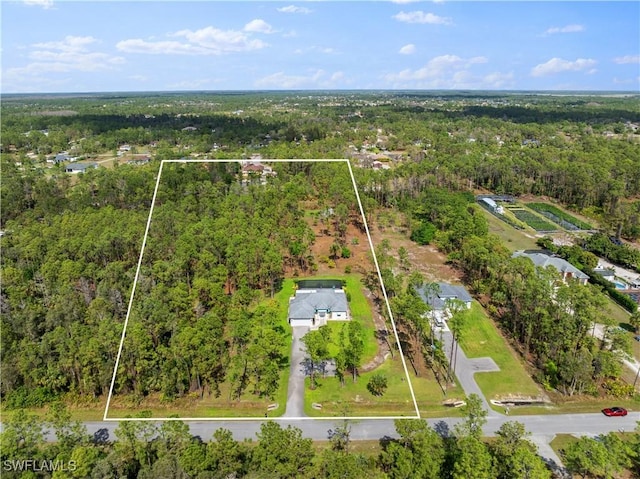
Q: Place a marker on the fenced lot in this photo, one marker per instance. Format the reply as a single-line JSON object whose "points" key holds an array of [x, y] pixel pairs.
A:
{"points": [[533, 220], [560, 217]]}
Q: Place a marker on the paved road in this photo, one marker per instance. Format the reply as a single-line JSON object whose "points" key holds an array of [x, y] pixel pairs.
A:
{"points": [[295, 390], [542, 425]]}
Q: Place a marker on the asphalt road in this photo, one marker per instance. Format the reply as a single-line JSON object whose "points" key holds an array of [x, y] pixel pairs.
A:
{"points": [[542, 425]]}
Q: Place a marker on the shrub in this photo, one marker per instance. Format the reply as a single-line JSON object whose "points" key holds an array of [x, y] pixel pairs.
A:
{"points": [[377, 385], [424, 233]]}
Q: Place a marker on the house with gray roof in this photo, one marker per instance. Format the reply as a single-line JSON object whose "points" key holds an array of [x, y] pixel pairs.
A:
{"points": [[566, 269], [440, 297], [76, 168], [313, 307]]}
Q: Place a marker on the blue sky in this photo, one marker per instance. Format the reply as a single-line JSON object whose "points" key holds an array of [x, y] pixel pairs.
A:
{"points": [[92, 46]]}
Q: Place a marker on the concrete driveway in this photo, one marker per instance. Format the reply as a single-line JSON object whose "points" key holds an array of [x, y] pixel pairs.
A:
{"points": [[297, 374]]}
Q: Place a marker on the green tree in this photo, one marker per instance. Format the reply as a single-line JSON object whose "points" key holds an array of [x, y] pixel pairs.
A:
{"points": [[419, 452], [514, 456], [225, 456], [472, 460], [281, 452], [587, 457], [316, 344], [475, 416], [22, 436]]}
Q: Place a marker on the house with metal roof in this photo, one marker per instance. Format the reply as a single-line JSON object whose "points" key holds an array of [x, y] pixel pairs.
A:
{"points": [[314, 307], [76, 168], [566, 269]]}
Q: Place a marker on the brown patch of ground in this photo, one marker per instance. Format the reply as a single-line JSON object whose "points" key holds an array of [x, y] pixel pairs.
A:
{"points": [[425, 259], [355, 240]]}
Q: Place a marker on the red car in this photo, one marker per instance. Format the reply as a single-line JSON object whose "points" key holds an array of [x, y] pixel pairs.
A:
{"points": [[614, 411]]}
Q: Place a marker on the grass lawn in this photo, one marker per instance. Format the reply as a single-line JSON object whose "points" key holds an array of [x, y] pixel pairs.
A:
{"points": [[621, 318], [355, 400], [481, 338]]}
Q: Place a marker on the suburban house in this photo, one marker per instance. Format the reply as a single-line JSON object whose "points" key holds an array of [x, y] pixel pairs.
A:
{"points": [[61, 157], [76, 168], [566, 269], [441, 298], [254, 169], [314, 306]]}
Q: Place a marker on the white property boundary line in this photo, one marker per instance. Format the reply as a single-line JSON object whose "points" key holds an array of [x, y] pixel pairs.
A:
{"points": [[284, 419]]}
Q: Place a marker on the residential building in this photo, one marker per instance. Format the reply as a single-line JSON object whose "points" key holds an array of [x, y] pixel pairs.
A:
{"points": [[76, 168], [441, 297], [313, 307], [566, 269]]}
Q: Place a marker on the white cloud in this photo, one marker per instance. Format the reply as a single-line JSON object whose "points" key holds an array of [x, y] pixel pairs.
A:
{"points": [[70, 54], [445, 71], [314, 79], [70, 44], [408, 49], [294, 9], [499, 80], [206, 41], [558, 65], [46, 4], [566, 29], [627, 59], [258, 26], [419, 16]]}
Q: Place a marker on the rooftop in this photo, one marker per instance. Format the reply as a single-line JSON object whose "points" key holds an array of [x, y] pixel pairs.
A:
{"points": [[446, 292], [307, 302]]}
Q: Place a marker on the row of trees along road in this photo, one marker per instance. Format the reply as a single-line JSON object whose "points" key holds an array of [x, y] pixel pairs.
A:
{"points": [[168, 450]]}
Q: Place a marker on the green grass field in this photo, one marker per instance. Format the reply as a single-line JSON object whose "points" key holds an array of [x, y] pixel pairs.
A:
{"points": [[512, 238], [481, 338]]}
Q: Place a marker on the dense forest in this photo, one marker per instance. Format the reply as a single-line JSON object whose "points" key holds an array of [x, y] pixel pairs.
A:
{"points": [[217, 248]]}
